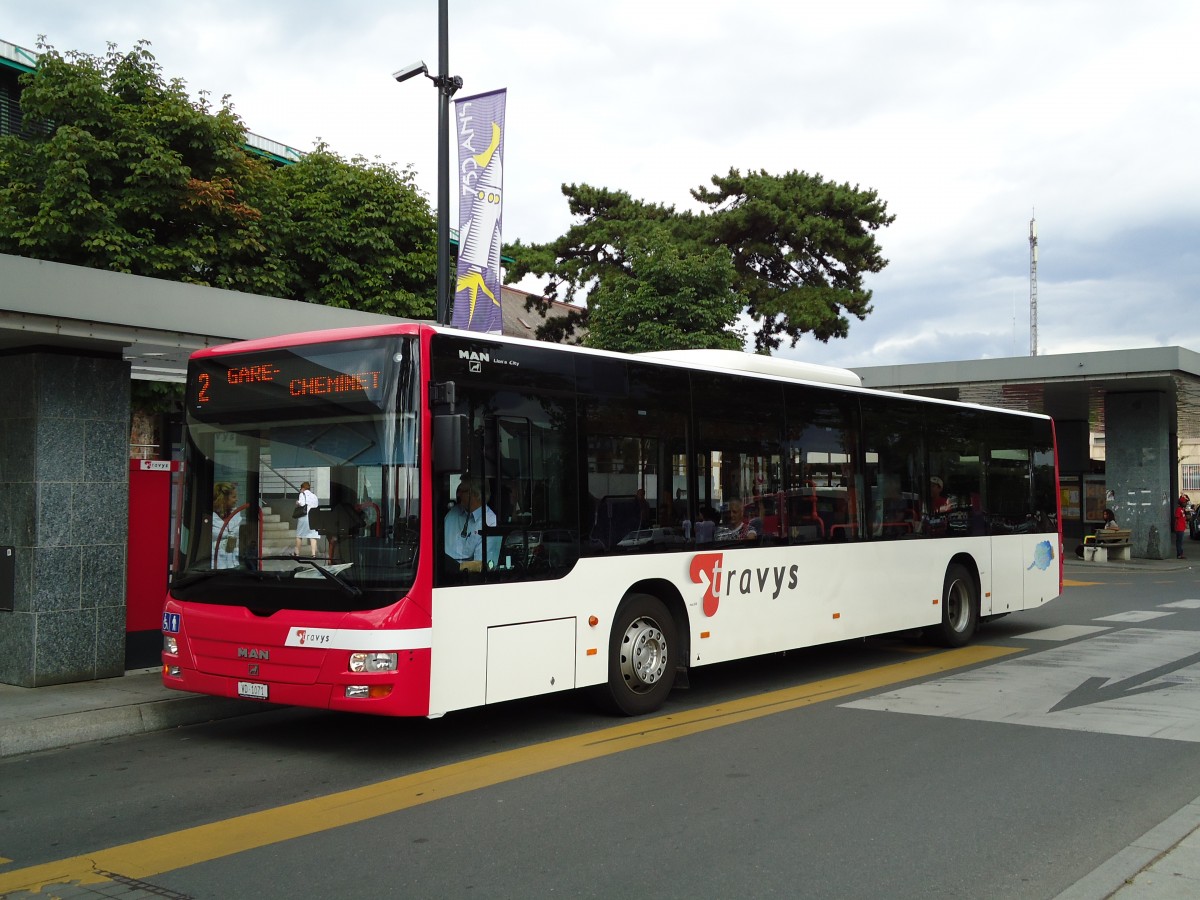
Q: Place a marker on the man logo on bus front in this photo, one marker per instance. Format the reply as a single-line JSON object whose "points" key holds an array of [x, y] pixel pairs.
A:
{"points": [[706, 569]]}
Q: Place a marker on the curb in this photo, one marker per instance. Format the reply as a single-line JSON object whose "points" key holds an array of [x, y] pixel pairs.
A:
{"points": [[1155, 565], [1110, 878], [67, 729]]}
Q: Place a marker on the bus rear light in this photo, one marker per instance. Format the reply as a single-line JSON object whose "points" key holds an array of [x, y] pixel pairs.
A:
{"points": [[367, 691], [170, 644], [373, 662]]}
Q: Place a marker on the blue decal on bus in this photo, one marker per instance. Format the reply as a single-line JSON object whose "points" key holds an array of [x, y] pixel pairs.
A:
{"points": [[171, 623], [1043, 555]]}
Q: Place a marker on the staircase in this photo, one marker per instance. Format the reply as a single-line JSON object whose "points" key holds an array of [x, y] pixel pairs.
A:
{"points": [[278, 533], [279, 538]]}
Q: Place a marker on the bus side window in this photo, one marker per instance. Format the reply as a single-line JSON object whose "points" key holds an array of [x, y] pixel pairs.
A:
{"points": [[955, 445], [635, 437], [822, 472], [892, 436], [524, 446]]}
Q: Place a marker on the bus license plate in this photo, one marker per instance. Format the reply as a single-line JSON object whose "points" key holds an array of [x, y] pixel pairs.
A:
{"points": [[250, 689]]}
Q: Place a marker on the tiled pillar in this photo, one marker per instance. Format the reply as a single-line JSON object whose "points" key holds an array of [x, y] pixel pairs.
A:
{"points": [[1137, 469], [64, 469]]}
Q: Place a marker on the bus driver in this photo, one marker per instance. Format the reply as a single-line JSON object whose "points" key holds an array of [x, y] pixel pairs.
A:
{"points": [[464, 522]]}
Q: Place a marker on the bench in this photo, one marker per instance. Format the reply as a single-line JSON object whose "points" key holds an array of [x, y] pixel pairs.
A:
{"points": [[1107, 544]]}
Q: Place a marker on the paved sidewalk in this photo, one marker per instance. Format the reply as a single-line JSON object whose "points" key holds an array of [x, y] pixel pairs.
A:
{"points": [[62, 715]]}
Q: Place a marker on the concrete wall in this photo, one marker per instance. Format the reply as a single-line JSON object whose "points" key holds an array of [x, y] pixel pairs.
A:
{"points": [[64, 495]]}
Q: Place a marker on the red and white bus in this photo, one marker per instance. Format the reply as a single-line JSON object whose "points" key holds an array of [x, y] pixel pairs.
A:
{"points": [[635, 516]]}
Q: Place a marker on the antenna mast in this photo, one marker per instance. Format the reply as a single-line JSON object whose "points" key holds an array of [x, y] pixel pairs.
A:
{"points": [[1033, 286]]}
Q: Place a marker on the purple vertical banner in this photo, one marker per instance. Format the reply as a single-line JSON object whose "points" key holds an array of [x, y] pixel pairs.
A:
{"points": [[479, 125]]}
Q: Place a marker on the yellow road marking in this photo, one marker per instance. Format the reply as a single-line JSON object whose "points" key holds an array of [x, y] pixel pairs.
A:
{"points": [[1067, 582], [204, 843]]}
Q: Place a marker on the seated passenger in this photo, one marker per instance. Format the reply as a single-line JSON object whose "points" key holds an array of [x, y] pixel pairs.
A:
{"points": [[742, 528]]}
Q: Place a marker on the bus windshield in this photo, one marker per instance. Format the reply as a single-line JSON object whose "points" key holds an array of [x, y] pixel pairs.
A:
{"points": [[302, 487]]}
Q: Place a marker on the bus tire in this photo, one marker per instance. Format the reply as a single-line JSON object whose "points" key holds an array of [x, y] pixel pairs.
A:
{"points": [[641, 670], [960, 608]]}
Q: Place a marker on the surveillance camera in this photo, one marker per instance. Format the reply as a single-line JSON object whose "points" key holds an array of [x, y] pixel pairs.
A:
{"points": [[417, 68]]}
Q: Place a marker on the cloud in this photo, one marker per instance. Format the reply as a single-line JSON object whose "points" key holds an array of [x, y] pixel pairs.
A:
{"points": [[965, 118]]}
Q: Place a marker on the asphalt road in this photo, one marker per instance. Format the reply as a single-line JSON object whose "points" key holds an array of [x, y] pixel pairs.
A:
{"points": [[1009, 769]]}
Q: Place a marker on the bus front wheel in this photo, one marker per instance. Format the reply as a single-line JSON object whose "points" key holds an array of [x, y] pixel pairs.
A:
{"points": [[640, 664], [960, 608]]}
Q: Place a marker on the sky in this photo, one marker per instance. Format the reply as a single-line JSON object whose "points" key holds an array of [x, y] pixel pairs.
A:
{"points": [[967, 119]]}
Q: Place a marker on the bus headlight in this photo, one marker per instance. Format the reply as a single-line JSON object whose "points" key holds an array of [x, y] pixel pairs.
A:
{"points": [[170, 644], [368, 691], [373, 662]]}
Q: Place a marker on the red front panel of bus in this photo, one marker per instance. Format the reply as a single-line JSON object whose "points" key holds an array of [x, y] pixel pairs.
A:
{"points": [[224, 649]]}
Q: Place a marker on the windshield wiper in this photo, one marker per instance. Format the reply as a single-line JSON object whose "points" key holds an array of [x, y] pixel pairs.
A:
{"points": [[330, 573], [194, 578]]}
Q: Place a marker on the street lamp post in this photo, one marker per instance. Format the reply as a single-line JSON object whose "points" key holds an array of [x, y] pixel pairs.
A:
{"points": [[447, 85]]}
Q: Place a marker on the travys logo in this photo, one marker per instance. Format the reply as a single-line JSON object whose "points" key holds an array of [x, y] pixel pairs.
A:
{"points": [[709, 570], [706, 569]]}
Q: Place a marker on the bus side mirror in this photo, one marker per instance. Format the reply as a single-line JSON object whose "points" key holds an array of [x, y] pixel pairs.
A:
{"points": [[449, 443]]}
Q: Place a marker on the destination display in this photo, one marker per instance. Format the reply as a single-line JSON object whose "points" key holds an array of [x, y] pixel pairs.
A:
{"points": [[277, 379]]}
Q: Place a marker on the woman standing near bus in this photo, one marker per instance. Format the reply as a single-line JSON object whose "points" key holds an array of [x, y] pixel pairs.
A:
{"points": [[309, 501]]}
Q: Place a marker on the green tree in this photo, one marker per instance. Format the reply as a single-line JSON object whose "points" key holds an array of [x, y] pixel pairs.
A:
{"points": [[120, 170], [673, 298], [361, 236], [124, 172], [799, 247]]}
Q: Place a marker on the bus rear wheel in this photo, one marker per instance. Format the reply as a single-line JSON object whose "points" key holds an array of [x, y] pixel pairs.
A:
{"points": [[640, 664], [960, 608]]}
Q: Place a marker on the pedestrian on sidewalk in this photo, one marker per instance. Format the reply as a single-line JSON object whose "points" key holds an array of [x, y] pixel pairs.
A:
{"points": [[1181, 524]]}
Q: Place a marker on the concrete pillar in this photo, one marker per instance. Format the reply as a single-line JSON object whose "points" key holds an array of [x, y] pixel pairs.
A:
{"points": [[64, 497], [1137, 468]]}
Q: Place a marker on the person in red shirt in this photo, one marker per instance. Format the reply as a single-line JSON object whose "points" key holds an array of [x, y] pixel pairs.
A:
{"points": [[1181, 524], [938, 501]]}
